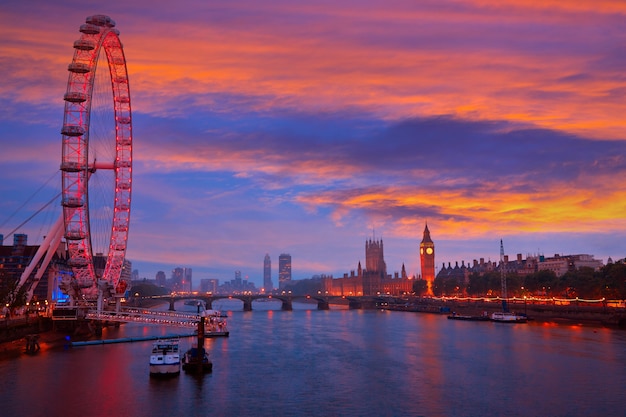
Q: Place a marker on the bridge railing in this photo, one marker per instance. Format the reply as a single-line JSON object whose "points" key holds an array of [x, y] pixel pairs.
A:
{"points": [[129, 315]]}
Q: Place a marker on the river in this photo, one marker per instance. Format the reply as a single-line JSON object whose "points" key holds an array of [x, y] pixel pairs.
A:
{"points": [[335, 363]]}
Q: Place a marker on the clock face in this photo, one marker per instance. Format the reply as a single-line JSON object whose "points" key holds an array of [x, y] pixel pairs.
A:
{"points": [[422, 251], [429, 251]]}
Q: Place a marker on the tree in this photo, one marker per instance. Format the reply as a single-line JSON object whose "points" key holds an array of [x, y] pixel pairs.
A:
{"points": [[477, 284], [614, 281], [583, 283], [420, 287], [540, 282]]}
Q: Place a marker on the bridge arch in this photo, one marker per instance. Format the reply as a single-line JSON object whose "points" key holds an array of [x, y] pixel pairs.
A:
{"points": [[323, 302]]}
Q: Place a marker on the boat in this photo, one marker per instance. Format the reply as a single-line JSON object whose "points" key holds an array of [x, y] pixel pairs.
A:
{"points": [[508, 317], [215, 324], [455, 316], [165, 358], [197, 360]]}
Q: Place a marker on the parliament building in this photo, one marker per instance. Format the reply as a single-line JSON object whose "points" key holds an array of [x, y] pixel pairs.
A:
{"points": [[374, 280]]}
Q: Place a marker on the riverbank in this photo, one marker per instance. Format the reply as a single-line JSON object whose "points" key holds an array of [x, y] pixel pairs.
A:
{"points": [[18, 334], [46, 340], [568, 315]]}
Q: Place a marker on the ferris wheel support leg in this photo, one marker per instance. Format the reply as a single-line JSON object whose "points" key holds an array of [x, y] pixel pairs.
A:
{"points": [[54, 244], [100, 300], [48, 242]]}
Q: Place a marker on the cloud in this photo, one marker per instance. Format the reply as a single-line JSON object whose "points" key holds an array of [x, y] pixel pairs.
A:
{"points": [[282, 126], [476, 174]]}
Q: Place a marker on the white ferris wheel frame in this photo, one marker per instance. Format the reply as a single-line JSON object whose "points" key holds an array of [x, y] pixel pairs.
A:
{"points": [[97, 34]]}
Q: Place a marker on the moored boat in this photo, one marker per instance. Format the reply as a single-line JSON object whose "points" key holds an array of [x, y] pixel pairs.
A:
{"points": [[216, 326], [455, 316], [165, 358], [508, 317], [197, 360]]}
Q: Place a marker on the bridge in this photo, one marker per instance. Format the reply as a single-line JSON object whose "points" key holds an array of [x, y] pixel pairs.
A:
{"points": [[214, 325], [323, 302]]}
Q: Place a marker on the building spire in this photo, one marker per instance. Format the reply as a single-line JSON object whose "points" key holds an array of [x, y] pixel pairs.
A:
{"points": [[426, 238]]}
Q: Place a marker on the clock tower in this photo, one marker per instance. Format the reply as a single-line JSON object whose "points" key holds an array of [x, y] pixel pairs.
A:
{"points": [[427, 260]]}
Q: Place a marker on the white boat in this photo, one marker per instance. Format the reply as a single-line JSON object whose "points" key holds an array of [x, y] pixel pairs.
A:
{"points": [[507, 317], [165, 358]]}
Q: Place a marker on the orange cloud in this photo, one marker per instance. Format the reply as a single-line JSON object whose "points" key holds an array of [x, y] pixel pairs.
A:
{"points": [[516, 60]]}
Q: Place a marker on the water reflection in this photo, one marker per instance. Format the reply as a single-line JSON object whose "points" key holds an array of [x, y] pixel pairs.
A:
{"points": [[336, 362]]}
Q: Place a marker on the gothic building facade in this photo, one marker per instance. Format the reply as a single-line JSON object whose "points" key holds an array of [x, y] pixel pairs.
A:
{"points": [[373, 280]]}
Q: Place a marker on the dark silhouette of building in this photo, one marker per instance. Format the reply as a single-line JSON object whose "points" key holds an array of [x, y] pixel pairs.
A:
{"points": [[267, 274], [181, 279], [237, 286], [160, 279], [14, 260], [284, 270], [209, 285]]}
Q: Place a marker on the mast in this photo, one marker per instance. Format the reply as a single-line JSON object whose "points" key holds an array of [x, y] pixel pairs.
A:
{"points": [[503, 294]]}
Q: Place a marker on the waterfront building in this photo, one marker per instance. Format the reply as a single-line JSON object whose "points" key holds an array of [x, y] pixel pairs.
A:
{"points": [[373, 280], [284, 270], [375, 268], [427, 260], [14, 260], [561, 264], [267, 274]]}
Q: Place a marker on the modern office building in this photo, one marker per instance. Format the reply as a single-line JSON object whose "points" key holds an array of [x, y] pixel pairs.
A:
{"points": [[209, 285], [267, 274], [160, 279], [181, 279], [284, 270]]}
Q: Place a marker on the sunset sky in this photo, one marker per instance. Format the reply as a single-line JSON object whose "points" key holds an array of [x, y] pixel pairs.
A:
{"points": [[309, 127]]}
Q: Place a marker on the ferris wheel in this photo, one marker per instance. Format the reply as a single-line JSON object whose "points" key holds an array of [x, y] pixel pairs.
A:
{"points": [[96, 163]]}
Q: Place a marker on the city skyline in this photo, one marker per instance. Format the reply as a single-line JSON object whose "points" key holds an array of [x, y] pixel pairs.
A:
{"points": [[301, 128]]}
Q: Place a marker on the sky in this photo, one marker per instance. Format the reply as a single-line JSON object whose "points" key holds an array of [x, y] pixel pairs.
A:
{"points": [[310, 127]]}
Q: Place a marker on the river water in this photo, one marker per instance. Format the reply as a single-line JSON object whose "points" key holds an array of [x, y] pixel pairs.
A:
{"points": [[335, 363]]}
